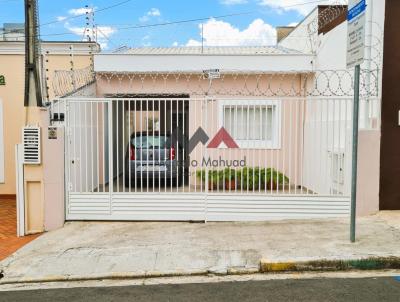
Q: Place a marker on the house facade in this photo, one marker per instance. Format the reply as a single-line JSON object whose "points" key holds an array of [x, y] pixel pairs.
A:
{"points": [[266, 99], [215, 133]]}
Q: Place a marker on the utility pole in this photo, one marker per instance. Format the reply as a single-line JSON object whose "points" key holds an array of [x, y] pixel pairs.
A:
{"points": [[33, 93]]}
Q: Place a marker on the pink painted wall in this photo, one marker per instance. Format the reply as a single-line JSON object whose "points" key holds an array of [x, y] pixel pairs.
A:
{"points": [[368, 172], [53, 178], [287, 158]]}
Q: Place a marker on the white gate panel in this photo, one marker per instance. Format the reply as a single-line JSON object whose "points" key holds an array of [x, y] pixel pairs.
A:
{"points": [[170, 207], [88, 206], [121, 166], [261, 208]]}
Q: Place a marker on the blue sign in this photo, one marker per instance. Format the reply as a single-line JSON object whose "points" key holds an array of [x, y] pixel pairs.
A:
{"points": [[357, 10]]}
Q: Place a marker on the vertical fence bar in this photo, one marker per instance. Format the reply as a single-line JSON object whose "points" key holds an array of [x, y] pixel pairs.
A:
{"points": [[141, 145], [327, 174], [110, 154], [340, 148], [239, 151], [117, 140], [321, 149], [75, 159], [123, 145], [86, 148], [296, 122], [334, 149], [252, 136], [159, 144], [283, 136], [290, 145], [153, 140], [92, 146], [132, 144], [80, 148], [301, 145], [169, 146], [177, 145], [106, 138], [170, 158], [97, 147], [346, 138]]}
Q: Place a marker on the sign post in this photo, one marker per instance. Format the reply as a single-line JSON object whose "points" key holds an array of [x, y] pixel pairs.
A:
{"points": [[355, 57]]}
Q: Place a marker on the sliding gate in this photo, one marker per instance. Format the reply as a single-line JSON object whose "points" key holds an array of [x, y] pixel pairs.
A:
{"points": [[206, 159]]}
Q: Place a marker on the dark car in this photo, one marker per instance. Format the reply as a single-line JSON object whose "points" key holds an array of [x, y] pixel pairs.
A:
{"points": [[152, 156]]}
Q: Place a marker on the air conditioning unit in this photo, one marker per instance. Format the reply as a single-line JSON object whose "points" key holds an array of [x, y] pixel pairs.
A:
{"points": [[31, 145]]}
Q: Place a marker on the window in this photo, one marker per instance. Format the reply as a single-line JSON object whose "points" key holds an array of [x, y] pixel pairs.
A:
{"points": [[253, 124]]}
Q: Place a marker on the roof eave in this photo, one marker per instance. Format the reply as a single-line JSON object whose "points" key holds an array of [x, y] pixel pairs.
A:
{"points": [[191, 63]]}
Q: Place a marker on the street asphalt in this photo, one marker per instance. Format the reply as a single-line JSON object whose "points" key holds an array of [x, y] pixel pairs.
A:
{"points": [[324, 289]]}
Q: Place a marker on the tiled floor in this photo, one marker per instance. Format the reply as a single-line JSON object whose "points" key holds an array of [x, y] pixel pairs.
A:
{"points": [[9, 242]]}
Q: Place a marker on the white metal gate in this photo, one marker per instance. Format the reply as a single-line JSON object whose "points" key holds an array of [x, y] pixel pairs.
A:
{"points": [[182, 158]]}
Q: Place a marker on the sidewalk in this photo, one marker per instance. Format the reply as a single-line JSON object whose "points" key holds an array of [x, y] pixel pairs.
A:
{"points": [[106, 250], [9, 242]]}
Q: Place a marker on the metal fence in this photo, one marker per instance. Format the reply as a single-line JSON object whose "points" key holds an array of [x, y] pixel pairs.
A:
{"points": [[187, 158]]}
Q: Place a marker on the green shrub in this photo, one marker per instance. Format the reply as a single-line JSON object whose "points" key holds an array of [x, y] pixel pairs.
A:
{"points": [[247, 178]]}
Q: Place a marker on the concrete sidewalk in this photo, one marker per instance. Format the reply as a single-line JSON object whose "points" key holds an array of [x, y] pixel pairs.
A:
{"points": [[105, 250]]}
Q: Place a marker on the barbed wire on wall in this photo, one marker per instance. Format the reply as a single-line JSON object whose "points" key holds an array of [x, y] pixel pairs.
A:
{"points": [[327, 83]]}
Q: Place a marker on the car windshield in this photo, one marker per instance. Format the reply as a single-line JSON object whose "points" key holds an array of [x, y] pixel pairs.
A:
{"points": [[148, 142]]}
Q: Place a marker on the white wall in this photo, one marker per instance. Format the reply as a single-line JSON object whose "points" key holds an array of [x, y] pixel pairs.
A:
{"points": [[330, 57], [302, 38], [327, 131]]}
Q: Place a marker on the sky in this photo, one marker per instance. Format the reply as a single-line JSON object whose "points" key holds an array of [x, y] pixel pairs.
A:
{"points": [[127, 22]]}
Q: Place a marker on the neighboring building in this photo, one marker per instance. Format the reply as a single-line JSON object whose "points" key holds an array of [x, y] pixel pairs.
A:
{"points": [[55, 56], [12, 32]]}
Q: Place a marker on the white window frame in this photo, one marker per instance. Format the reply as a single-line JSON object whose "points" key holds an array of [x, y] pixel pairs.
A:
{"points": [[273, 144]]}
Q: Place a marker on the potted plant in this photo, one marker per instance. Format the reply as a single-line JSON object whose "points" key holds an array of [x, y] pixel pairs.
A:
{"points": [[249, 178], [274, 179], [212, 178], [229, 177]]}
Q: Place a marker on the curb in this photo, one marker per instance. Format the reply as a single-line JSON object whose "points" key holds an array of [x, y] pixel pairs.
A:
{"points": [[125, 276], [371, 263], [266, 266]]}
